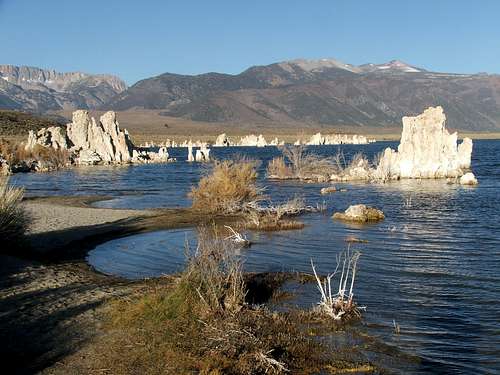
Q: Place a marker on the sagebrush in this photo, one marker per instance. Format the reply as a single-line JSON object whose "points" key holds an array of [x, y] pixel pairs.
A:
{"points": [[13, 219], [229, 188]]}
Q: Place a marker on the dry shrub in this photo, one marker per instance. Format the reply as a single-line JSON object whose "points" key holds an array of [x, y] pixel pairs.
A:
{"points": [[52, 158], [216, 274], [230, 188], [338, 303], [13, 219], [297, 163], [8, 151], [48, 157], [277, 168], [359, 160], [269, 221], [277, 217]]}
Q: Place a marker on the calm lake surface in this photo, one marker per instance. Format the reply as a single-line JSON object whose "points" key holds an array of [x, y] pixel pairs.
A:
{"points": [[433, 266]]}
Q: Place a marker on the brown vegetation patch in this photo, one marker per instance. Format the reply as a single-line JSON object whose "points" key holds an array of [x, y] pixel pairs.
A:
{"points": [[39, 158], [270, 222], [13, 218], [231, 187]]}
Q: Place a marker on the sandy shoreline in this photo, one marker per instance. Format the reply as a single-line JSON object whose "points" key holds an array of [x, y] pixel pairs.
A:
{"points": [[51, 301], [49, 308], [47, 217]]}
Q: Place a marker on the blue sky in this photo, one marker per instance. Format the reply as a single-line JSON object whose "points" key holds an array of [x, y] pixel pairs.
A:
{"points": [[139, 39]]}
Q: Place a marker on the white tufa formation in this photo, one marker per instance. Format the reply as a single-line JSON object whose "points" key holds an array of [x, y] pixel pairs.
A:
{"points": [[190, 153], [426, 150], [253, 141], [203, 154], [336, 139], [93, 142], [468, 179], [223, 141]]}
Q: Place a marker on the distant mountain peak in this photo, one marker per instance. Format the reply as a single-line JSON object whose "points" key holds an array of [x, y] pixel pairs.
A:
{"points": [[391, 66], [39, 90], [320, 64]]}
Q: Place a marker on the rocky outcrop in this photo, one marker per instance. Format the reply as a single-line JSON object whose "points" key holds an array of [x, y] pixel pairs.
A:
{"points": [[104, 138], [4, 167], [253, 141], [328, 190], [426, 150], [203, 153], [48, 137], [468, 179], [190, 154], [360, 213], [39, 90], [222, 140], [93, 142], [335, 139]]}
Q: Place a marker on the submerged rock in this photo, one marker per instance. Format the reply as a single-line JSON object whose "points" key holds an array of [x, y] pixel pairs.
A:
{"points": [[426, 150], [468, 179], [328, 190], [360, 213]]}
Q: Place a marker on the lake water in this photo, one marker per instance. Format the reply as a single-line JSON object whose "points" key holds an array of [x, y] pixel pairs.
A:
{"points": [[433, 266]]}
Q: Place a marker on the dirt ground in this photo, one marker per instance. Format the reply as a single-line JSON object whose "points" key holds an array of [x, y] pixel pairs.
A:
{"points": [[50, 298]]}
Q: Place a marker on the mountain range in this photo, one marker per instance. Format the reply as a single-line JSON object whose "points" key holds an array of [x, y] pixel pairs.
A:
{"points": [[37, 90], [322, 92]]}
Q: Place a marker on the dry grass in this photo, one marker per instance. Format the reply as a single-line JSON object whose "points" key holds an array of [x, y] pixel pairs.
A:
{"points": [[216, 274], [298, 164], [277, 217], [201, 324], [270, 222], [13, 219], [47, 158], [230, 188], [277, 168]]}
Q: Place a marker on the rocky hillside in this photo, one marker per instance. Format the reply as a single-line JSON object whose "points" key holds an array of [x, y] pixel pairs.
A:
{"points": [[326, 92], [13, 123], [37, 90]]}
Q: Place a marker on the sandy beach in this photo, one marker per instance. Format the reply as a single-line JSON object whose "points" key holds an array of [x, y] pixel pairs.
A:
{"points": [[49, 217]]}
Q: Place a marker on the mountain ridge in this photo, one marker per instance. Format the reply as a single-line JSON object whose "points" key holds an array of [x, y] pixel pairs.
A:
{"points": [[40, 90], [325, 92]]}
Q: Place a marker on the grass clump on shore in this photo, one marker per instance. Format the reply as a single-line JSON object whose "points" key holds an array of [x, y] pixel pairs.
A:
{"points": [[201, 323], [13, 219], [229, 188], [38, 158]]}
